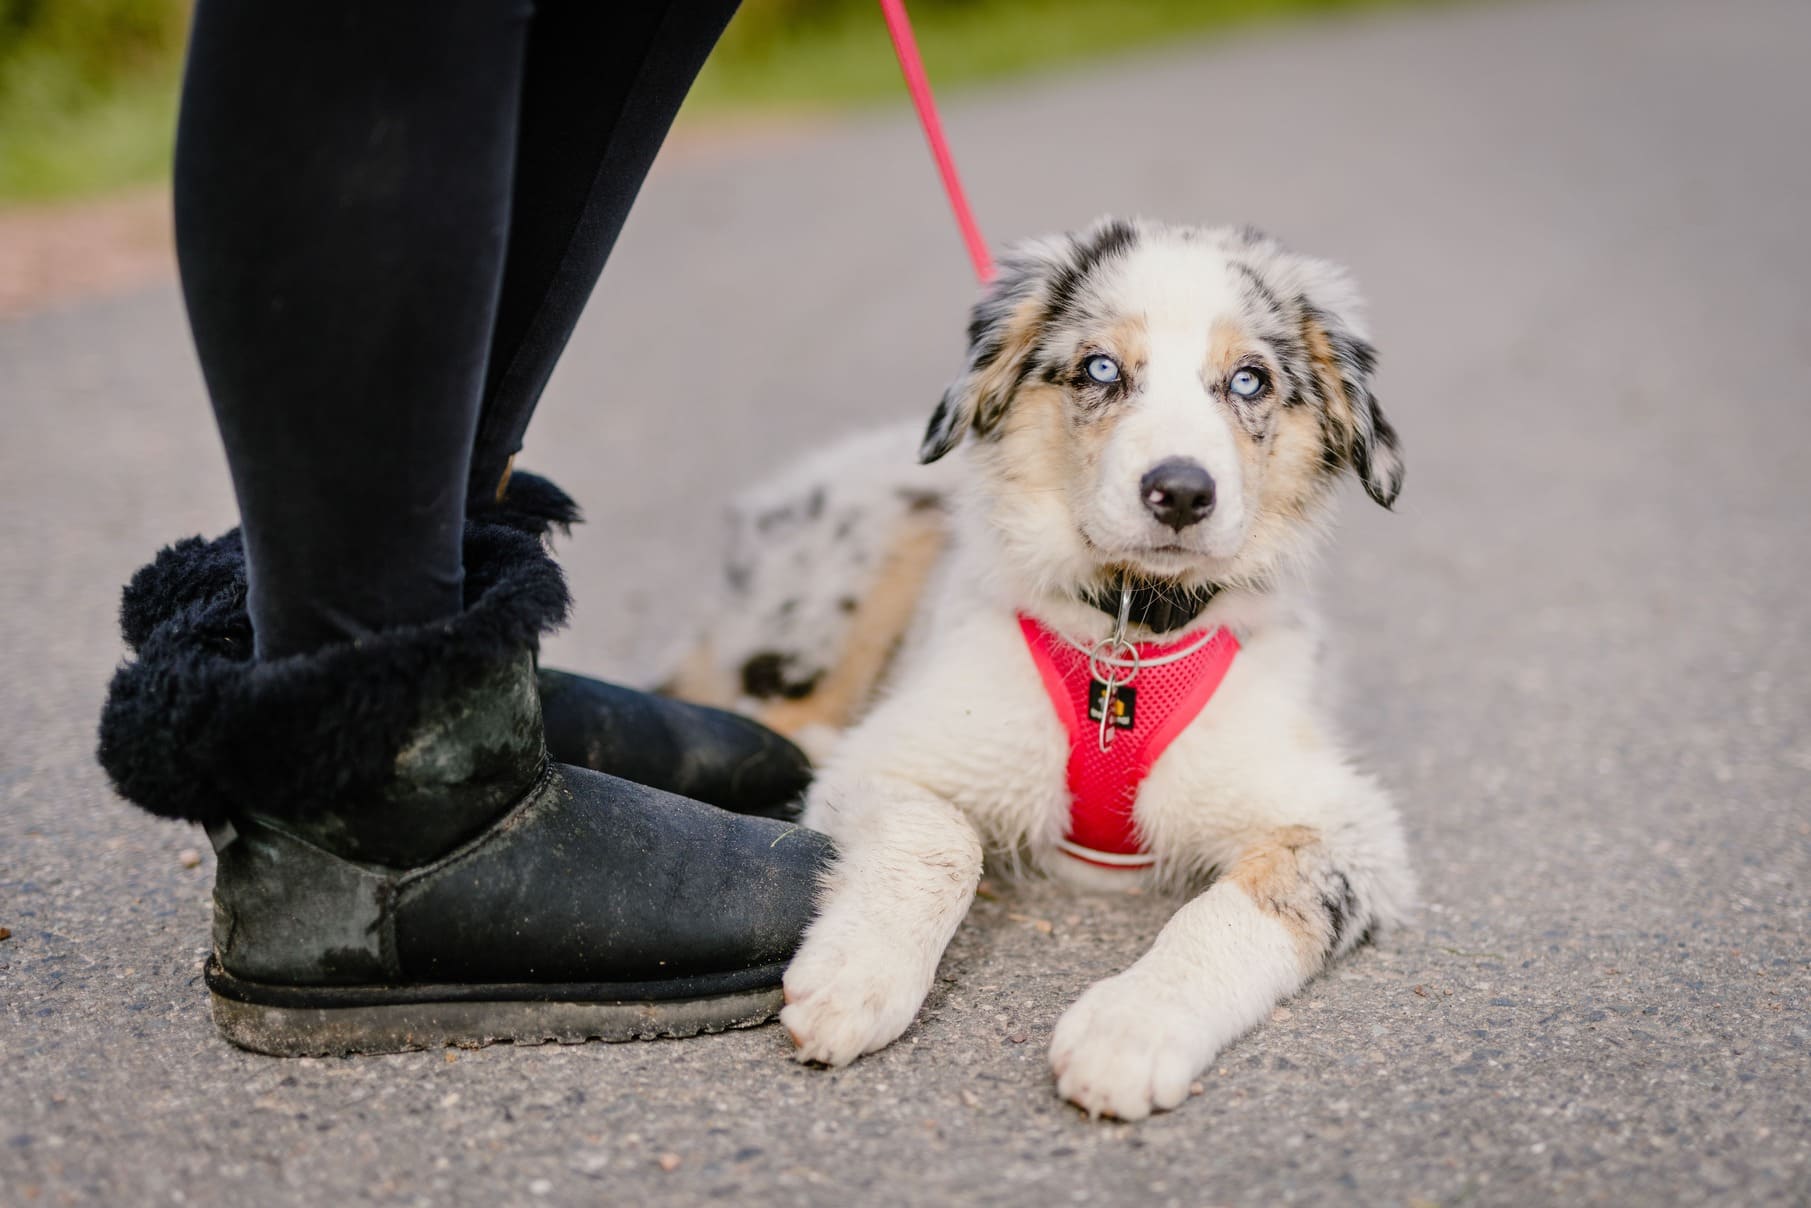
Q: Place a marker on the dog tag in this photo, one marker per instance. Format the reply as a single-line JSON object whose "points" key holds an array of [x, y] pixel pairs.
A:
{"points": [[1121, 699]]}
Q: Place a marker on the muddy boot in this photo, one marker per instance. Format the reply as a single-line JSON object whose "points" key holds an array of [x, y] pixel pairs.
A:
{"points": [[718, 757], [400, 863]]}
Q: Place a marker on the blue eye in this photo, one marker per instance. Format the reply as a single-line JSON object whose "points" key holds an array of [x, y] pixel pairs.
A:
{"points": [[1248, 383], [1102, 369]]}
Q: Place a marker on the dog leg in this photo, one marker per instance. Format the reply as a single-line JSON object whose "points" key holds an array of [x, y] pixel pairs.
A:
{"points": [[1133, 1042], [905, 876]]}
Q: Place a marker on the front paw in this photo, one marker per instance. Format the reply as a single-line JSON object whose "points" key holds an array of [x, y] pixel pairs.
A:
{"points": [[1129, 1046], [844, 999]]}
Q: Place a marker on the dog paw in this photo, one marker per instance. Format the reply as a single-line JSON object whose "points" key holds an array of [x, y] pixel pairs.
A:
{"points": [[844, 1000], [1128, 1047]]}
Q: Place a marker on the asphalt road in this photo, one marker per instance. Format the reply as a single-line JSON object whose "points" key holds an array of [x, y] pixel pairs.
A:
{"points": [[1578, 651]]}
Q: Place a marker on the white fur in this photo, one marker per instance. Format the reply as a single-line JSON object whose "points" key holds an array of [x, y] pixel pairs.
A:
{"points": [[962, 756], [1176, 417], [965, 753], [803, 542], [1135, 1041]]}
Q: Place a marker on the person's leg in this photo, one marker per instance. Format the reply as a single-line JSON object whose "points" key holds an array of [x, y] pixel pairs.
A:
{"points": [[601, 87], [399, 863], [343, 180], [348, 184]]}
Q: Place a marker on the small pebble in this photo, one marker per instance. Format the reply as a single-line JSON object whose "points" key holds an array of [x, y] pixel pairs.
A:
{"points": [[669, 1162], [540, 1187], [188, 857], [1019, 1037], [1197, 1088]]}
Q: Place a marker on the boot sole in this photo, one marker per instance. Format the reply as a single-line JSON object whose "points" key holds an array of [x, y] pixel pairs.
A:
{"points": [[335, 1021]]}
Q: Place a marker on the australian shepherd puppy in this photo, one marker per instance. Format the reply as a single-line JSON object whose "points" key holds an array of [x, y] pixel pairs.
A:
{"points": [[1142, 453]]}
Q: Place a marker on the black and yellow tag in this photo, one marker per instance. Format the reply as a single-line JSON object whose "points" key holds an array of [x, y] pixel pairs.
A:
{"points": [[1124, 704]]}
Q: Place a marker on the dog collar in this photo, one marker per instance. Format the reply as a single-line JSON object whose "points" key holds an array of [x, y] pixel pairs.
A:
{"points": [[1159, 607], [1122, 704]]}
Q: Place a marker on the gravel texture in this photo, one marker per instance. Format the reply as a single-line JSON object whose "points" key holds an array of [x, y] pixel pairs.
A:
{"points": [[1578, 651]]}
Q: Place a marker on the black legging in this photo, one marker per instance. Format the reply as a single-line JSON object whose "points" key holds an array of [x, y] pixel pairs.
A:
{"points": [[388, 218]]}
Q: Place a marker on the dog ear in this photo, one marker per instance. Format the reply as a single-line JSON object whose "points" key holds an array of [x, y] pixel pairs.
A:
{"points": [[1003, 332], [1343, 361]]}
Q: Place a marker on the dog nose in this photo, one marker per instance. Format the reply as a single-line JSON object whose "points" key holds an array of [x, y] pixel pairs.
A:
{"points": [[1179, 492]]}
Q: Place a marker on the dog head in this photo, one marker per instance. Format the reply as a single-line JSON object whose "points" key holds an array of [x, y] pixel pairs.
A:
{"points": [[1171, 403]]}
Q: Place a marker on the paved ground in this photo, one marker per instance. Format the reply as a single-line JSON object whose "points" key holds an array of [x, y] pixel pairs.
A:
{"points": [[1578, 650]]}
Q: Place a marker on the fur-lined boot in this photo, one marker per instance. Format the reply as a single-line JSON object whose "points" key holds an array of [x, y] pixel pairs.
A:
{"points": [[400, 863]]}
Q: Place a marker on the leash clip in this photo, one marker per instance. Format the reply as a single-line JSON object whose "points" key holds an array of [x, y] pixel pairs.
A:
{"points": [[1108, 659]]}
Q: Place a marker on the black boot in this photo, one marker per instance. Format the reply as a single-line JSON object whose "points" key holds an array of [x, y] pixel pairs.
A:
{"points": [[722, 758], [400, 864], [710, 754]]}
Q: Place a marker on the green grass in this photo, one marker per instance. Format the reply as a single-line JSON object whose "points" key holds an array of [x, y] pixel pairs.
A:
{"points": [[845, 57], [111, 139], [87, 94], [69, 129]]}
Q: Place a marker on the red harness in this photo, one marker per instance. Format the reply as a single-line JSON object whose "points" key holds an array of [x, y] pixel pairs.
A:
{"points": [[1149, 695]]}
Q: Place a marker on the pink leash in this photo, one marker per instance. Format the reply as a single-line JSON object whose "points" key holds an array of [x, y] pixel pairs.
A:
{"points": [[899, 26]]}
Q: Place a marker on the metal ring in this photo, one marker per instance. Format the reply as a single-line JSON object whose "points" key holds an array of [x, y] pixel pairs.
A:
{"points": [[1105, 653]]}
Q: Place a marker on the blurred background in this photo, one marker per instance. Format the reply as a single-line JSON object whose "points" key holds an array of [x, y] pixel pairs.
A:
{"points": [[88, 87], [88, 95]]}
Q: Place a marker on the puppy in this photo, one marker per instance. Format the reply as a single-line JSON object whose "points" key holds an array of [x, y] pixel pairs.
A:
{"points": [[1082, 646]]}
